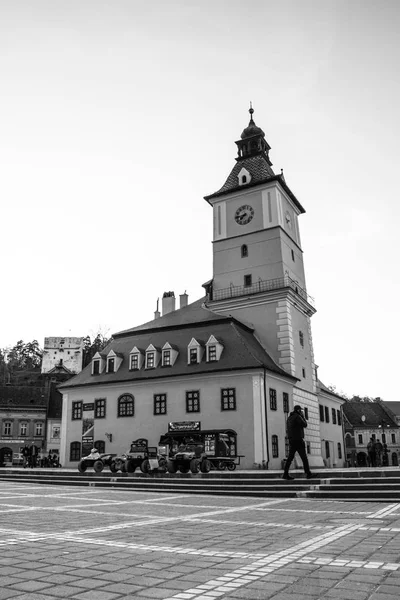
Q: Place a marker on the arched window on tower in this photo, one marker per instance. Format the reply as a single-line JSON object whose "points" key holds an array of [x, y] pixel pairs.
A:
{"points": [[245, 251], [244, 179]]}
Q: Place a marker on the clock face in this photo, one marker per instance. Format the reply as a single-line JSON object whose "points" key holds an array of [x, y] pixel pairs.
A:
{"points": [[244, 214], [288, 220]]}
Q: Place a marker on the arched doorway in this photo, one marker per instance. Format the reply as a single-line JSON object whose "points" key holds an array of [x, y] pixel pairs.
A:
{"points": [[395, 460], [5, 456], [361, 459]]}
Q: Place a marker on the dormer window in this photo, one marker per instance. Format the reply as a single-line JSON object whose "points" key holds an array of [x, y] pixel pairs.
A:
{"points": [[212, 353], [166, 358], [195, 352], [136, 359], [169, 355], [153, 355], [98, 363], [114, 360], [244, 176], [214, 349]]}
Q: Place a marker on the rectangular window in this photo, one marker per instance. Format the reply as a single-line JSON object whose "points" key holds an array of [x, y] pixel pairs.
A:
{"points": [[150, 360], [339, 417], [327, 449], [393, 438], [134, 361], [360, 438], [321, 413], [100, 408], [339, 450], [193, 401], [39, 429], [75, 451], [76, 410], [373, 436], [306, 413], [193, 356], [275, 446], [303, 372], [228, 399], [111, 365], [166, 358], [160, 404], [212, 353], [383, 438], [7, 428], [292, 256], [301, 339], [285, 402], [24, 430], [326, 414], [247, 280], [96, 367], [272, 399], [334, 416]]}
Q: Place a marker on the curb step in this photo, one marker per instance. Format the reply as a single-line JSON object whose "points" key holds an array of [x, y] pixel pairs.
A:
{"points": [[365, 486]]}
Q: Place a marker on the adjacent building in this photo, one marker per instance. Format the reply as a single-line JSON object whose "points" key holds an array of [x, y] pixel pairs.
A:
{"points": [[366, 420]]}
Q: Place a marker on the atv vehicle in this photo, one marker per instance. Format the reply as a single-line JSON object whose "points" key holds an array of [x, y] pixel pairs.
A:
{"points": [[97, 461], [193, 449], [156, 459], [190, 456]]}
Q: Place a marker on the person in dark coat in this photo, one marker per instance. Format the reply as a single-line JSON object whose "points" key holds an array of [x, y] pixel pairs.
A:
{"points": [[295, 426]]}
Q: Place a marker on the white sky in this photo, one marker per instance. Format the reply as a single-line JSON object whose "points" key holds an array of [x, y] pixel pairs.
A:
{"points": [[118, 116]]}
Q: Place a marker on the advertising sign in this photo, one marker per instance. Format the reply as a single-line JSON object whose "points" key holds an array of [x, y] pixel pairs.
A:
{"points": [[87, 428], [184, 426]]}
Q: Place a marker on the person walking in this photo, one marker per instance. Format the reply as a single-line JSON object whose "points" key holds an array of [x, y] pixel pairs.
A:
{"points": [[371, 449], [295, 425]]}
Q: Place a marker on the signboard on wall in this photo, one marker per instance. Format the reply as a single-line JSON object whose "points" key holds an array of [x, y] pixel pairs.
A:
{"points": [[184, 426], [87, 428]]}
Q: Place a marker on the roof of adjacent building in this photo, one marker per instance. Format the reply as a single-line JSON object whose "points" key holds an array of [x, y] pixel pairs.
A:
{"points": [[22, 396], [394, 406], [375, 414], [241, 349]]}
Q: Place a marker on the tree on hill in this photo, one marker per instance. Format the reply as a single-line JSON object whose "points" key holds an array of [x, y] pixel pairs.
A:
{"points": [[90, 347], [24, 356]]}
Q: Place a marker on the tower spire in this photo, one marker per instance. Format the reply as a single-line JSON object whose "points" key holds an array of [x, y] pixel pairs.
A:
{"points": [[252, 141]]}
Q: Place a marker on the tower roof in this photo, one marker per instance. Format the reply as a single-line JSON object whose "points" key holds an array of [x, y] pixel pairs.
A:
{"points": [[253, 155]]}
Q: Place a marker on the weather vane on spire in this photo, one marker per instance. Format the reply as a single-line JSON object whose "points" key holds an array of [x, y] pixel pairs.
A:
{"points": [[251, 109]]}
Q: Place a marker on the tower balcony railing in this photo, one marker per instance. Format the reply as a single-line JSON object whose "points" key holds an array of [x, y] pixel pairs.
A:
{"points": [[234, 291]]}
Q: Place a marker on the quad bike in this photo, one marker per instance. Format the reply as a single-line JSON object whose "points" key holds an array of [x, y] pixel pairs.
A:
{"points": [[97, 461]]}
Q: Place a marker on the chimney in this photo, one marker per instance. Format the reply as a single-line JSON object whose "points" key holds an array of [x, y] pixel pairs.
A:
{"points": [[183, 300], [168, 302], [157, 314]]}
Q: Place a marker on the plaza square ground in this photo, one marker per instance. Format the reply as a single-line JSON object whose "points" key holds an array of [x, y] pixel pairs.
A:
{"points": [[96, 544]]}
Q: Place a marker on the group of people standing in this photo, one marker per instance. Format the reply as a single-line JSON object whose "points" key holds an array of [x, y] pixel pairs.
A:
{"points": [[377, 453], [33, 457]]}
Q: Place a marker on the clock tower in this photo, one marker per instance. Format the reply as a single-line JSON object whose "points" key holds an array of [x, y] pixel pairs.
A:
{"points": [[258, 269]]}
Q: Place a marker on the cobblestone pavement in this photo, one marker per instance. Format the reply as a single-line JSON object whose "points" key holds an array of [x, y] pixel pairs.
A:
{"points": [[96, 544]]}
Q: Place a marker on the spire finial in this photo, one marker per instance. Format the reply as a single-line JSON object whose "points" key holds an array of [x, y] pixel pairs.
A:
{"points": [[251, 110]]}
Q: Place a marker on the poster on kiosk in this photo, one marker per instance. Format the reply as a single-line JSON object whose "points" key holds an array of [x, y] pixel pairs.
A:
{"points": [[87, 428]]}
